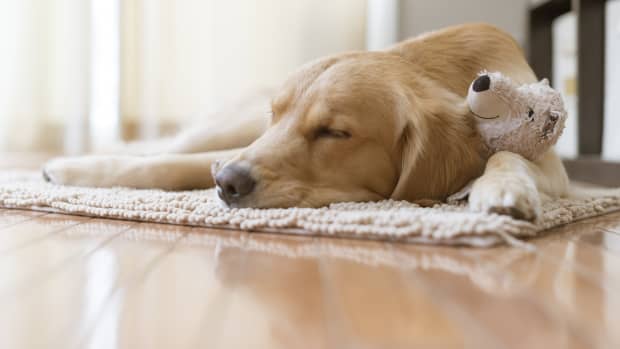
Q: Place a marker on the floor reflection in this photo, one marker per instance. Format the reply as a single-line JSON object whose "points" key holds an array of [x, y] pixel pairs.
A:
{"points": [[119, 284], [101, 272]]}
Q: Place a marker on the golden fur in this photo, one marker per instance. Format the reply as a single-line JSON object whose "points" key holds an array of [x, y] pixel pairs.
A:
{"points": [[357, 126]]}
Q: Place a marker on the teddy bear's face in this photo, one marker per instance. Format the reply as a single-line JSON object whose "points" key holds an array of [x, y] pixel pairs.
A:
{"points": [[526, 119], [544, 109]]}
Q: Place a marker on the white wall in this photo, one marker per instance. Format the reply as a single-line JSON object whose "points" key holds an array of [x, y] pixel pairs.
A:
{"points": [[418, 16], [611, 123], [565, 79]]}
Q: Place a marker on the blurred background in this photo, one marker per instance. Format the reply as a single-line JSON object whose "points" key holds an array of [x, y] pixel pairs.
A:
{"points": [[80, 74]]}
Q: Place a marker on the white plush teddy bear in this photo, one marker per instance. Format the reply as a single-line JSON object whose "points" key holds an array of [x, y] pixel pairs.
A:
{"points": [[524, 119]]}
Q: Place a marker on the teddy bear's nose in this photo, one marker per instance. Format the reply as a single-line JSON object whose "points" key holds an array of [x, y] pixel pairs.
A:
{"points": [[482, 83]]}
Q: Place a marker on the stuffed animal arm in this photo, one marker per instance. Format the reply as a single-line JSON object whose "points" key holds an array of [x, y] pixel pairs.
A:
{"points": [[524, 119]]}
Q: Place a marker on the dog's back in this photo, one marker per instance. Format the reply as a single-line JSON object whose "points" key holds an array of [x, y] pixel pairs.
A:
{"points": [[455, 55]]}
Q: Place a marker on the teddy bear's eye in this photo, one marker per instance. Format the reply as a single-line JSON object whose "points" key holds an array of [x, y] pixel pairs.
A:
{"points": [[530, 113]]}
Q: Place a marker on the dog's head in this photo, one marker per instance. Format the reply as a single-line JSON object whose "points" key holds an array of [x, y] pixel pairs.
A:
{"points": [[353, 127]]}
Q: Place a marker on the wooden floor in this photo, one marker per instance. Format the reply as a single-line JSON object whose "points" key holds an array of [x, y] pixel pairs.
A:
{"points": [[76, 282]]}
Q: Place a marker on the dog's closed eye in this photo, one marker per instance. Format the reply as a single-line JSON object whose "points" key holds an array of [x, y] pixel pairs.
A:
{"points": [[326, 132]]}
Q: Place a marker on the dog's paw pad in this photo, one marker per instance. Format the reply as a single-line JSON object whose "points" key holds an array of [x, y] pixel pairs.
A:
{"points": [[509, 211], [509, 198]]}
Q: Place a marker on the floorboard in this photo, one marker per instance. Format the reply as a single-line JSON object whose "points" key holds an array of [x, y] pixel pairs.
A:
{"points": [[81, 282]]}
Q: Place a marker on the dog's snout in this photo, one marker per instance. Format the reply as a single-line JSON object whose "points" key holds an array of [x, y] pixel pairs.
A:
{"points": [[482, 83], [233, 183]]}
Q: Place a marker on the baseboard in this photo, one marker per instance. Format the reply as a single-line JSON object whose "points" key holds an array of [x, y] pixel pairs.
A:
{"points": [[594, 170]]}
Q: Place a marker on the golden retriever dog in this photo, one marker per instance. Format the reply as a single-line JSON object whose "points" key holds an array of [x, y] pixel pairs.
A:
{"points": [[356, 126]]}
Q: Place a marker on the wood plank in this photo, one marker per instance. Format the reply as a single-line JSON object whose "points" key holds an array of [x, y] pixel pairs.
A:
{"points": [[73, 304], [115, 283], [373, 306], [38, 290], [11, 217], [275, 300], [489, 300], [33, 228], [154, 292], [570, 278], [559, 278], [23, 267]]}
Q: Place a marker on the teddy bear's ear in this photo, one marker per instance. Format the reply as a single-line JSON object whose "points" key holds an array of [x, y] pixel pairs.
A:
{"points": [[486, 103], [545, 81]]}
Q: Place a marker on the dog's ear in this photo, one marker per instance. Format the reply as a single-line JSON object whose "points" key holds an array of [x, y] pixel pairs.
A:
{"points": [[438, 150], [409, 153], [416, 182]]}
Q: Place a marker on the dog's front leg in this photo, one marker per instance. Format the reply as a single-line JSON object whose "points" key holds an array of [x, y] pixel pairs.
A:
{"points": [[515, 186], [170, 172]]}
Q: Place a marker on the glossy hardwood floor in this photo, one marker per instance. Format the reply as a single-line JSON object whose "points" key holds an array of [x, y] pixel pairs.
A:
{"points": [[76, 282]]}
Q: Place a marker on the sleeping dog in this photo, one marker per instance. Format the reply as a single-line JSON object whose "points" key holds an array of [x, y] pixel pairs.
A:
{"points": [[356, 126]]}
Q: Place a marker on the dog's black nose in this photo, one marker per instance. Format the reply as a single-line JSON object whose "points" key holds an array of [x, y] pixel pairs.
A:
{"points": [[233, 183], [482, 83]]}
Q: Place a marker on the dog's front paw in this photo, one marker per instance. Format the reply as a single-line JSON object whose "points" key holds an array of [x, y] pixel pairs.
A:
{"points": [[507, 196], [80, 171]]}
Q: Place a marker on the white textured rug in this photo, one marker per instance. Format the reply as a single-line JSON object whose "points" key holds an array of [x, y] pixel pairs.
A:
{"points": [[385, 220]]}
